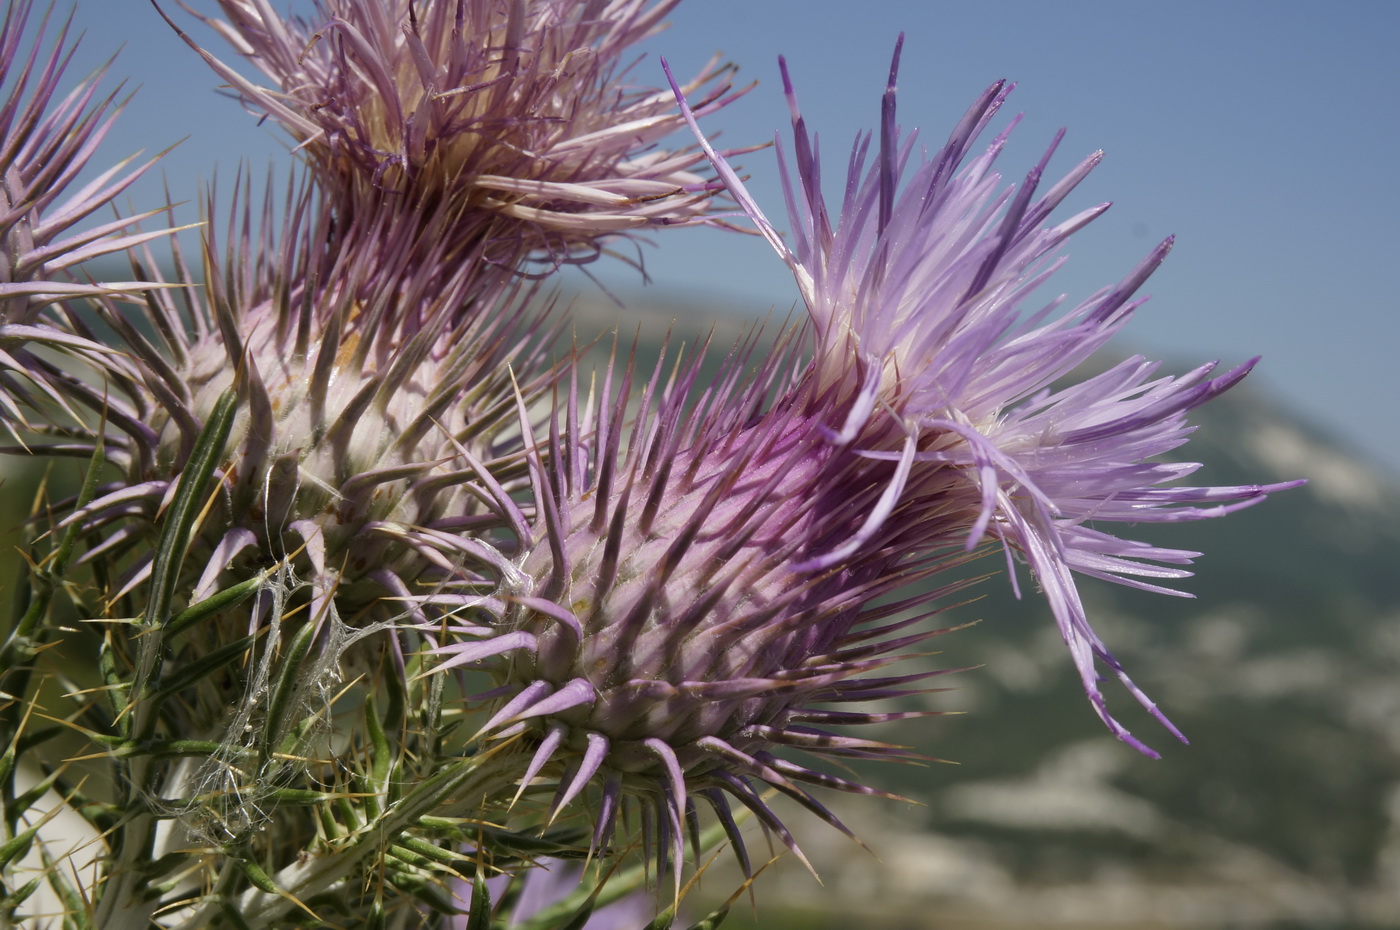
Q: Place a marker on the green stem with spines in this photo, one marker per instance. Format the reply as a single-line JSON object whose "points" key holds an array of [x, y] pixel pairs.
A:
{"points": [[125, 901], [473, 780]]}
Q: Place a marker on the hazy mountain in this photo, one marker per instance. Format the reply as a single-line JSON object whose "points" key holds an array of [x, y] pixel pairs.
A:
{"points": [[1284, 671]]}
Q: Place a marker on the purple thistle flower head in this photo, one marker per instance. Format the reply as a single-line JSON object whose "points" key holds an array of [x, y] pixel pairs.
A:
{"points": [[918, 291], [690, 603], [509, 125], [368, 404], [665, 636]]}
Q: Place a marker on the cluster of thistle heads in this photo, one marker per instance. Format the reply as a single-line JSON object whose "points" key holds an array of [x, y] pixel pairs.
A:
{"points": [[346, 520]]}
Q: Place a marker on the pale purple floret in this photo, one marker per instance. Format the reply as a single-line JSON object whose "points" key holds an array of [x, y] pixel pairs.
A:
{"points": [[519, 898], [916, 289], [514, 124]]}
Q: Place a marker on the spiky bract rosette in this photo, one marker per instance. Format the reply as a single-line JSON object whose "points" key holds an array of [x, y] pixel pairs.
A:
{"points": [[368, 402], [45, 144], [664, 638]]}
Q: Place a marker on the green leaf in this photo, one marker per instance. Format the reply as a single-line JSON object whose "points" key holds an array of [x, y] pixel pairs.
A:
{"points": [[117, 690], [560, 843], [286, 691], [378, 919], [428, 850], [10, 902], [409, 857], [583, 915], [16, 847], [160, 748], [257, 877], [28, 799], [479, 917], [296, 797], [330, 828], [383, 761], [351, 817], [173, 546], [184, 510], [73, 902], [228, 598], [715, 918], [192, 672], [31, 738]]}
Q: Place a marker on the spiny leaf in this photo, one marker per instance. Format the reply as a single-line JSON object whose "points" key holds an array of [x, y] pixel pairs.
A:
{"points": [[181, 517], [479, 917], [173, 546], [226, 599], [11, 902], [200, 668], [712, 921], [287, 690], [18, 846], [383, 761]]}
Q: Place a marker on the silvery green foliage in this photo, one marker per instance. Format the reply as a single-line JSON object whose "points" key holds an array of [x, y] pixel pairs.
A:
{"points": [[351, 605]]}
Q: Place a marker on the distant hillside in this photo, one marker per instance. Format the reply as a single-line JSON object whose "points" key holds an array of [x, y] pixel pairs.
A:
{"points": [[1284, 671]]}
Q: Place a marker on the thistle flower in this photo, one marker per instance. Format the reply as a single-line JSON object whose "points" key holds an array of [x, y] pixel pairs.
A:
{"points": [[663, 635], [366, 405], [690, 600], [916, 292], [509, 124]]}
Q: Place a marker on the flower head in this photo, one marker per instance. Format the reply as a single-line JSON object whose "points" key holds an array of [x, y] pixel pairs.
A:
{"points": [[366, 405], [510, 120], [918, 290], [690, 603], [665, 636]]}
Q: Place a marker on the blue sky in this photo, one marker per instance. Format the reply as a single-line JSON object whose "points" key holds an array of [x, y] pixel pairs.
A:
{"points": [[1265, 136]]}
